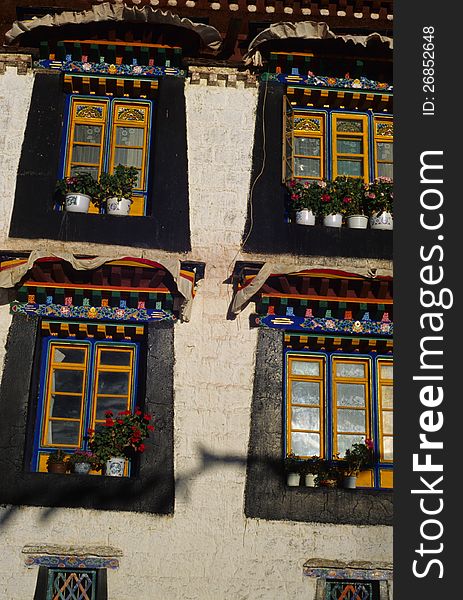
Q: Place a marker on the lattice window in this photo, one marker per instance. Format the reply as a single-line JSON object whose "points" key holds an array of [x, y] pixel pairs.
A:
{"points": [[64, 584], [334, 400], [352, 590], [384, 137], [103, 133]]}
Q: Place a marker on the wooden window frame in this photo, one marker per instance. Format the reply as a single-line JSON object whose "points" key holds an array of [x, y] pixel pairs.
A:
{"points": [[321, 406], [381, 138], [363, 135], [110, 121], [380, 382], [328, 417], [91, 368]]}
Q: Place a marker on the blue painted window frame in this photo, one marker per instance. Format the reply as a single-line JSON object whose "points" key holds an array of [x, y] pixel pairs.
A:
{"points": [[93, 345], [106, 150], [327, 433]]}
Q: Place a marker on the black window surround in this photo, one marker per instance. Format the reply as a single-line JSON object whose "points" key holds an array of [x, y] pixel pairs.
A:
{"points": [[166, 228], [150, 490], [266, 230], [41, 588], [266, 493]]}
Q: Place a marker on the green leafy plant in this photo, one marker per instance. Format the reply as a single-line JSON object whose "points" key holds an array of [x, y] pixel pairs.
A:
{"points": [[80, 183], [327, 474], [58, 456], [120, 434], [305, 194], [358, 458], [379, 196], [82, 456], [343, 195], [119, 184], [310, 465], [292, 463]]}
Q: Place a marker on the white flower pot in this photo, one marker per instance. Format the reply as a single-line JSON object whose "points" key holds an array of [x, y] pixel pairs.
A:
{"points": [[305, 217], [381, 220], [115, 466], [82, 468], [350, 482], [77, 202], [309, 480], [357, 222], [119, 207], [332, 220], [293, 479]]}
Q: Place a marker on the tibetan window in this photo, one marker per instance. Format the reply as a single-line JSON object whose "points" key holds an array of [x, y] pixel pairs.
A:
{"points": [[334, 400], [102, 133], [353, 589], [323, 144], [79, 381]]}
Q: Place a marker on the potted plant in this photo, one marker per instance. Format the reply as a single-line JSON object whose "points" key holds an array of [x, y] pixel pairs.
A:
{"points": [[76, 192], [292, 469], [305, 199], [331, 205], [350, 193], [379, 197], [357, 458], [120, 436], [116, 190], [82, 461], [309, 469], [327, 474], [56, 462]]}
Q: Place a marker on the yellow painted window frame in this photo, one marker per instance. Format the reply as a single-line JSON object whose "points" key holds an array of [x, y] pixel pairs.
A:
{"points": [[320, 379], [99, 368], [115, 122], [363, 135], [312, 135], [51, 367], [75, 120], [381, 138], [390, 382], [335, 379]]}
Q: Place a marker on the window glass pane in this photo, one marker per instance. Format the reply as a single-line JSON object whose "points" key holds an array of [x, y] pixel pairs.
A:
{"points": [[65, 406], [91, 134], [351, 420], [305, 418], [303, 367], [307, 146], [129, 136], [384, 150], [350, 394], [63, 432], [349, 125], [108, 403], [305, 392], [305, 444], [388, 453], [113, 383], [385, 170], [129, 157], [113, 357], [354, 168], [344, 442], [350, 146], [387, 422], [307, 167], [387, 372], [68, 355], [64, 380], [350, 369], [86, 154], [92, 170], [387, 393]]}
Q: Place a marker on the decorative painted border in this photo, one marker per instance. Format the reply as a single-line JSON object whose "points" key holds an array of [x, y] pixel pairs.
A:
{"points": [[327, 325], [91, 312], [362, 574], [73, 562], [362, 83], [78, 66]]}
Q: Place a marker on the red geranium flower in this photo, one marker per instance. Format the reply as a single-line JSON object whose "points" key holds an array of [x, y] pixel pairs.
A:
{"points": [[108, 413], [147, 417], [141, 448], [150, 428]]}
